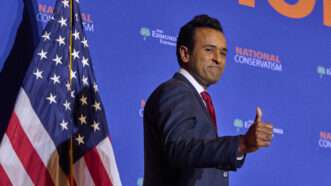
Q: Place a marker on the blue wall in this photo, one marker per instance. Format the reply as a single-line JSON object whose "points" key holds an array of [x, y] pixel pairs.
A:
{"points": [[276, 62]]}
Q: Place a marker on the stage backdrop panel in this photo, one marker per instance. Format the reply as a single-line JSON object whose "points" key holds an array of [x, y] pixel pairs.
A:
{"points": [[278, 59]]}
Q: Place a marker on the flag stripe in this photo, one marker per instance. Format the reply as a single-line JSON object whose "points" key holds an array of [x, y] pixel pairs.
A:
{"points": [[107, 156], [39, 138], [47, 114], [82, 175], [74, 182], [27, 154], [4, 180], [96, 168], [12, 165], [33, 128]]}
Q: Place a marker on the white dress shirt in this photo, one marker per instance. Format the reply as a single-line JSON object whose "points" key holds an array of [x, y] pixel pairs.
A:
{"points": [[198, 87]]}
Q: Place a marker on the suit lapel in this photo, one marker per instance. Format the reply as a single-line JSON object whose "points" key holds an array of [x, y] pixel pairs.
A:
{"points": [[180, 77]]}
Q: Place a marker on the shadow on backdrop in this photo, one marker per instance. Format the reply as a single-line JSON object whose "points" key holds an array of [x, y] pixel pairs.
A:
{"points": [[17, 62]]}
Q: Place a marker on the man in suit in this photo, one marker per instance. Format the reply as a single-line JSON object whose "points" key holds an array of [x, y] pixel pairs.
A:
{"points": [[181, 144]]}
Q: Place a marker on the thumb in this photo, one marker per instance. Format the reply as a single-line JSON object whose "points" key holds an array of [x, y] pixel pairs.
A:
{"points": [[258, 117]]}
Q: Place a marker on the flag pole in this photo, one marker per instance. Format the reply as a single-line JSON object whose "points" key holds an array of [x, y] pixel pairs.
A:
{"points": [[71, 151]]}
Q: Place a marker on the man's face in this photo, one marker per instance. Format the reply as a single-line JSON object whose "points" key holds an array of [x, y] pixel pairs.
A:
{"points": [[207, 59]]}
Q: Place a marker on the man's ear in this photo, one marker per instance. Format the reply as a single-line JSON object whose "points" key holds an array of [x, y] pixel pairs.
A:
{"points": [[184, 54]]}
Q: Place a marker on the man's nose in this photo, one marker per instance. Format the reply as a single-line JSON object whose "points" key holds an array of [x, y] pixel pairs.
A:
{"points": [[217, 58]]}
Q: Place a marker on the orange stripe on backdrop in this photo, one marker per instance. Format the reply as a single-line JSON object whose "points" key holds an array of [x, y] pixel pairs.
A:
{"points": [[249, 3], [327, 12], [298, 10]]}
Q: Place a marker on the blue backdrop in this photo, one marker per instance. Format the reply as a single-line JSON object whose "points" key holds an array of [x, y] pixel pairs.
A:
{"points": [[275, 61]]}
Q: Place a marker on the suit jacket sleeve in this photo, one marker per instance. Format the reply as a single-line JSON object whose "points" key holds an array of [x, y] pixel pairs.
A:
{"points": [[189, 139]]}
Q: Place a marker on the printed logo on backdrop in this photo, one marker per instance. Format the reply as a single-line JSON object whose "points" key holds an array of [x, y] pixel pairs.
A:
{"points": [[45, 13], [241, 125], [159, 35], [257, 59], [298, 10], [324, 141], [140, 181], [323, 71]]}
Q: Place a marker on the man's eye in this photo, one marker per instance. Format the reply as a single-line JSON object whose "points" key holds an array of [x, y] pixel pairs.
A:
{"points": [[208, 49]]}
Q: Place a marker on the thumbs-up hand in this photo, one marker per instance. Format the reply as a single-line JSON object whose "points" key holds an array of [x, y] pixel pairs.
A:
{"points": [[258, 116], [258, 135]]}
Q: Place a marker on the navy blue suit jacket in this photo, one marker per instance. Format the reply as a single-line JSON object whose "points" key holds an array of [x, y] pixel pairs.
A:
{"points": [[181, 143]]}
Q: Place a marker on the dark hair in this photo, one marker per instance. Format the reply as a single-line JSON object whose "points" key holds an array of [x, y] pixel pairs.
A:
{"points": [[186, 33]]}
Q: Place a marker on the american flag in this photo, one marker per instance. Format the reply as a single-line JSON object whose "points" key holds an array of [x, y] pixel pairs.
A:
{"points": [[58, 134]]}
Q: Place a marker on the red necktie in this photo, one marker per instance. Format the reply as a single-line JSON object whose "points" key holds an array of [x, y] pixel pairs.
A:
{"points": [[206, 97]]}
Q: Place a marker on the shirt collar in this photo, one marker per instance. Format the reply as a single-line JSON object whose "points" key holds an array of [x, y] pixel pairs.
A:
{"points": [[198, 87]]}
